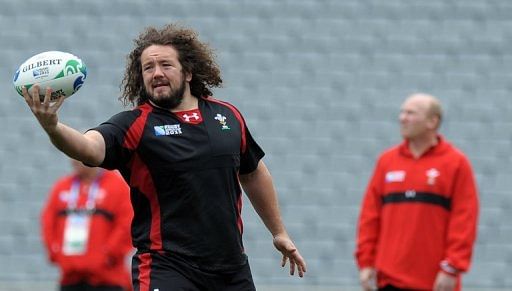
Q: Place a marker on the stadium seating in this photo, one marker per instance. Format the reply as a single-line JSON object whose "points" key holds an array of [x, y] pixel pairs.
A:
{"points": [[320, 83]]}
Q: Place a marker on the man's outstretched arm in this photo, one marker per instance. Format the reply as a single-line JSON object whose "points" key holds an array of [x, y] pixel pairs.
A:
{"points": [[88, 148]]}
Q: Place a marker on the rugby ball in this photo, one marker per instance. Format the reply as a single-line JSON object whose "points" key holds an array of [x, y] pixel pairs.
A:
{"points": [[65, 73]]}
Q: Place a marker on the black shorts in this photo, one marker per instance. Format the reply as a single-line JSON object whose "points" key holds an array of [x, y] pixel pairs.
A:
{"points": [[87, 287], [157, 272]]}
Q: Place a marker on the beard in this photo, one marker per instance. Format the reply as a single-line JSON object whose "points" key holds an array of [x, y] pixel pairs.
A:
{"points": [[171, 100]]}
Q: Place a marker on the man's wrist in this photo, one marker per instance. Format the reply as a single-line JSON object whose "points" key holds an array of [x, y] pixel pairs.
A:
{"points": [[448, 269]]}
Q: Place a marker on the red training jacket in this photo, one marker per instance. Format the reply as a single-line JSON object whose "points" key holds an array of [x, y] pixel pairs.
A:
{"points": [[417, 213], [109, 238]]}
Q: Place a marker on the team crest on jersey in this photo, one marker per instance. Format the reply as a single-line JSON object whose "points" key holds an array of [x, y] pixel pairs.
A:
{"points": [[222, 120], [395, 176], [432, 174], [168, 129]]}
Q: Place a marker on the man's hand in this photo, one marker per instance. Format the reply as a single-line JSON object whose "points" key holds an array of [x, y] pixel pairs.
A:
{"points": [[285, 245], [368, 279], [445, 282], [45, 112]]}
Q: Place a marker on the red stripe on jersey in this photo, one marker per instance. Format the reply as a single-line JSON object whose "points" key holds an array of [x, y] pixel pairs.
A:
{"points": [[238, 117], [239, 221], [142, 180], [134, 133], [144, 271]]}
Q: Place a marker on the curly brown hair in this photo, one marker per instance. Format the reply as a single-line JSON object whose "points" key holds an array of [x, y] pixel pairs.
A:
{"points": [[194, 56]]}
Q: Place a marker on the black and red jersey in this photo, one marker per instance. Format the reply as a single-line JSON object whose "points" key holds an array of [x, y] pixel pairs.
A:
{"points": [[183, 168], [416, 213]]}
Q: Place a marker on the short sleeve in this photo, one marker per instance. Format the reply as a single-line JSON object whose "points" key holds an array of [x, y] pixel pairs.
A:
{"points": [[253, 154], [114, 133]]}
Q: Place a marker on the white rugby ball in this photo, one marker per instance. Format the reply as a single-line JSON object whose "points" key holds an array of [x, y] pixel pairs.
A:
{"points": [[65, 73]]}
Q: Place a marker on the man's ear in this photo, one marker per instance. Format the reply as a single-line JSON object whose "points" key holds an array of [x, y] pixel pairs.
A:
{"points": [[434, 122]]}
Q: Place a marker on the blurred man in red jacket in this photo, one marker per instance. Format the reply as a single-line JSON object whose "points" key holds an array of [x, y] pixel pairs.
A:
{"points": [[86, 230], [418, 219]]}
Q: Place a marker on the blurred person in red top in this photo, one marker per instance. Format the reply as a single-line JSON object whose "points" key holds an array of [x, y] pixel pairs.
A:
{"points": [[418, 218], [86, 229]]}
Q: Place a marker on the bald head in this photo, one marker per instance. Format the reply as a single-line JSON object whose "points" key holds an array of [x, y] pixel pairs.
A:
{"points": [[420, 117], [430, 104]]}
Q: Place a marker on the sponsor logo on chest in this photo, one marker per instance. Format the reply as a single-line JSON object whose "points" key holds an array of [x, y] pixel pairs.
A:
{"points": [[168, 129], [395, 176], [190, 116]]}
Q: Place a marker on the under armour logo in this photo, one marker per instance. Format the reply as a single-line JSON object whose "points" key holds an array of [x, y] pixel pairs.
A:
{"points": [[187, 117]]}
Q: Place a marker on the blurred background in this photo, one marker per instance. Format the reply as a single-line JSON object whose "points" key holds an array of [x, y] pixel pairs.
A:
{"points": [[320, 83]]}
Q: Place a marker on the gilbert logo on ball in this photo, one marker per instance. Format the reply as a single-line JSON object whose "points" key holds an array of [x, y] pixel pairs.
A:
{"points": [[65, 73]]}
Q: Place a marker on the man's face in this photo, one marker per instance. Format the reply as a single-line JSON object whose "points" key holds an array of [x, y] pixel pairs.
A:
{"points": [[164, 80], [414, 118]]}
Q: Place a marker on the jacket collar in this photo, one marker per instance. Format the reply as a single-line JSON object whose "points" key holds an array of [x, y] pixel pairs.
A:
{"points": [[441, 146]]}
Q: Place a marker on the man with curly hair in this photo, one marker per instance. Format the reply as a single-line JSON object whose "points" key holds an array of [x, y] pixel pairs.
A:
{"points": [[186, 157]]}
